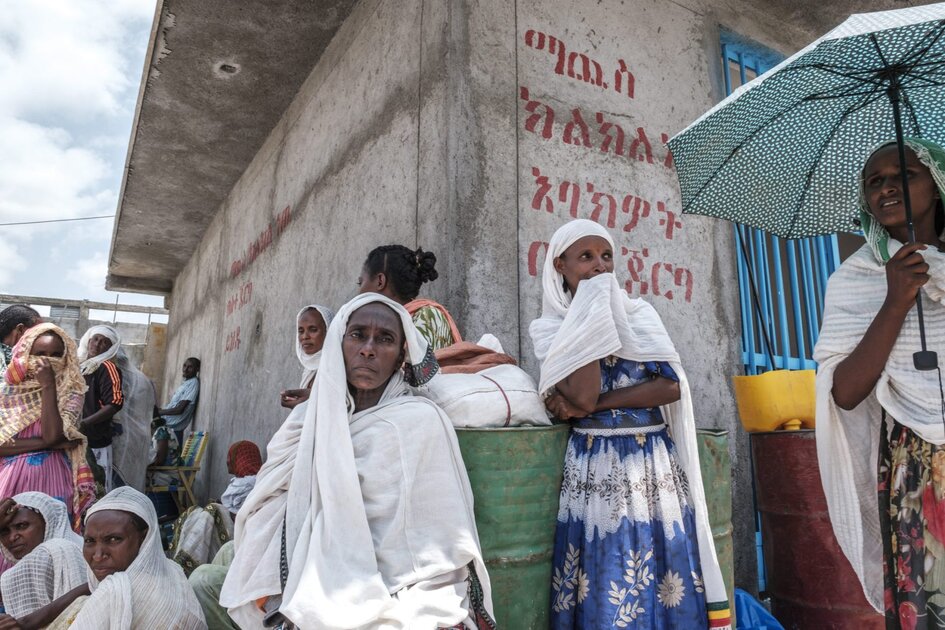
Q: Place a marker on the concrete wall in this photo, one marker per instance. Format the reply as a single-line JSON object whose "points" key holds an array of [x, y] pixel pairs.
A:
{"points": [[427, 123]]}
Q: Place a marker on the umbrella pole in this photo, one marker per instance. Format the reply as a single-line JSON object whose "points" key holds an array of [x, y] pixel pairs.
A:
{"points": [[754, 297], [925, 359]]}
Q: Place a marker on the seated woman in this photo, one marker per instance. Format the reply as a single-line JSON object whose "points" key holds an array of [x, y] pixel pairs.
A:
{"points": [[41, 448], [312, 323], [243, 461], [131, 583], [362, 514], [47, 554], [201, 531], [397, 272]]}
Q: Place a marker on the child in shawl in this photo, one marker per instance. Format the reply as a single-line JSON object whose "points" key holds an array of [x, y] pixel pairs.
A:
{"points": [[36, 535], [40, 401], [312, 323], [362, 514], [633, 545], [874, 406]]}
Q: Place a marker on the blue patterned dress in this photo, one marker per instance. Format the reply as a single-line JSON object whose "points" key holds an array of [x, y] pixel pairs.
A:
{"points": [[626, 554]]}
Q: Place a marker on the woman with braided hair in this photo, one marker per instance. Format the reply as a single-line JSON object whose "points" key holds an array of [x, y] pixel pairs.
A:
{"points": [[398, 272]]}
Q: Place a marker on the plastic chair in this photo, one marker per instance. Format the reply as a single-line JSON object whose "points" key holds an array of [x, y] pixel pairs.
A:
{"points": [[190, 457]]}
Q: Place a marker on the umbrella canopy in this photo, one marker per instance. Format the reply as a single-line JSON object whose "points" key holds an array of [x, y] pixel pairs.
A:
{"points": [[784, 152]]}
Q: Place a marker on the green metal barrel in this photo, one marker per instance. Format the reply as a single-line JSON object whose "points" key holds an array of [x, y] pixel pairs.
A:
{"points": [[716, 465], [515, 475]]}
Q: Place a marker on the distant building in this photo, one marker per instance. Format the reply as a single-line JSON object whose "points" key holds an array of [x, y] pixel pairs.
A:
{"points": [[276, 143]]}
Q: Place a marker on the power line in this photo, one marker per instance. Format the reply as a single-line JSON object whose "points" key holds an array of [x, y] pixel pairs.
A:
{"points": [[104, 216]]}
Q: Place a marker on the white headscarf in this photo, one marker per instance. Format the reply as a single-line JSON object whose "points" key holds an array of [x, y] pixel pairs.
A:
{"points": [[88, 364], [310, 361], [152, 592], [601, 320], [25, 586], [310, 486]]}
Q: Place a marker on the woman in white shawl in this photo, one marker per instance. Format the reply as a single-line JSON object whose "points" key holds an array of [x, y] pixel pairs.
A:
{"points": [[133, 422], [312, 323], [131, 583], [362, 515], [36, 536], [874, 407], [633, 544]]}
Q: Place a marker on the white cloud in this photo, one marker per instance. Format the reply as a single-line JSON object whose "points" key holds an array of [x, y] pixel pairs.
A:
{"points": [[69, 76], [89, 274], [13, 264], [49, 176], [67, 57]]}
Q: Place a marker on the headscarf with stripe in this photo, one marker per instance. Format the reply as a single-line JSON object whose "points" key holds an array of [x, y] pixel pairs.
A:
{"points": [[21, 403]]}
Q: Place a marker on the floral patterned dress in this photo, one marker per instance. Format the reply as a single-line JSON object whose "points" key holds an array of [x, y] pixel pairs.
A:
{"points": [[912, 517], [626, 554]]}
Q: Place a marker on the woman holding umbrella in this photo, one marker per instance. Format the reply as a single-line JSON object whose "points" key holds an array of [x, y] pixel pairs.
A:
{"points": [[873, 405]]}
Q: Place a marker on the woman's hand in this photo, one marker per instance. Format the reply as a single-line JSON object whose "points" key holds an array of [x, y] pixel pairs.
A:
{"points": [[8, 509], [66, 444], [906, 273], [45, 375], [292, 397], [561, 408], [9, 623]]}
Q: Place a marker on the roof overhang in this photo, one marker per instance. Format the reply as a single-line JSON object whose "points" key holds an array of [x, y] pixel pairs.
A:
{"points": [[218, 76]]}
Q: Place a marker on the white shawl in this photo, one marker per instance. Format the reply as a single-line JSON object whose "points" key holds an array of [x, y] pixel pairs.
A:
{"points": [[377, 507], [848, 441], [52, 569], [602, 320], [310, 361], [151, 593]]}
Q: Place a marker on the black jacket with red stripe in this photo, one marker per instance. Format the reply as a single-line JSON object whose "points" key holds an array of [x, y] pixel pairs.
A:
{"points": [[104, 389]]}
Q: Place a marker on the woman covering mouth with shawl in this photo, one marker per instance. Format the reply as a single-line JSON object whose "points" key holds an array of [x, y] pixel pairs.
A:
{"points": [[362, 515], [633, 545], [873, 405], [133, 422], [312, 322], [40, 402], [35, 534]]}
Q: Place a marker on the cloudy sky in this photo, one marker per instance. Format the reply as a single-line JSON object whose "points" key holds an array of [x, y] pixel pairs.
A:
{"points": [[69, 77]]}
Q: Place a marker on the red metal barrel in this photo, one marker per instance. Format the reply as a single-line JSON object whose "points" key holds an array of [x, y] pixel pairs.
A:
{"points": [[809, 580]]}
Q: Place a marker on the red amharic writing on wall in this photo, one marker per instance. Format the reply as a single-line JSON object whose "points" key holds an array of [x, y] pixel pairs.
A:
{"points": [[579, 66], [606, 135], [661, 279], [600, 206], [262, 242]]}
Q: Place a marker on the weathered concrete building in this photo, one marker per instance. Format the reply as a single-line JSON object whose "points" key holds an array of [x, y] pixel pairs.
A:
{"points": [[277, 142]]}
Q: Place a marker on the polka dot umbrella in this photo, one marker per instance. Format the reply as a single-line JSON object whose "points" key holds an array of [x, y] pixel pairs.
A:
{"points": [[784, 152]]}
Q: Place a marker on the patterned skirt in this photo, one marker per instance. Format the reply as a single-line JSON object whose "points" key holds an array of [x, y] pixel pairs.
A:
{"points": [[626, 554], [912, 517]]}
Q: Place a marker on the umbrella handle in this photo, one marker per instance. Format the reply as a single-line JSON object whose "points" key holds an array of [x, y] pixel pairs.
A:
{"points": [[925, 359]]}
